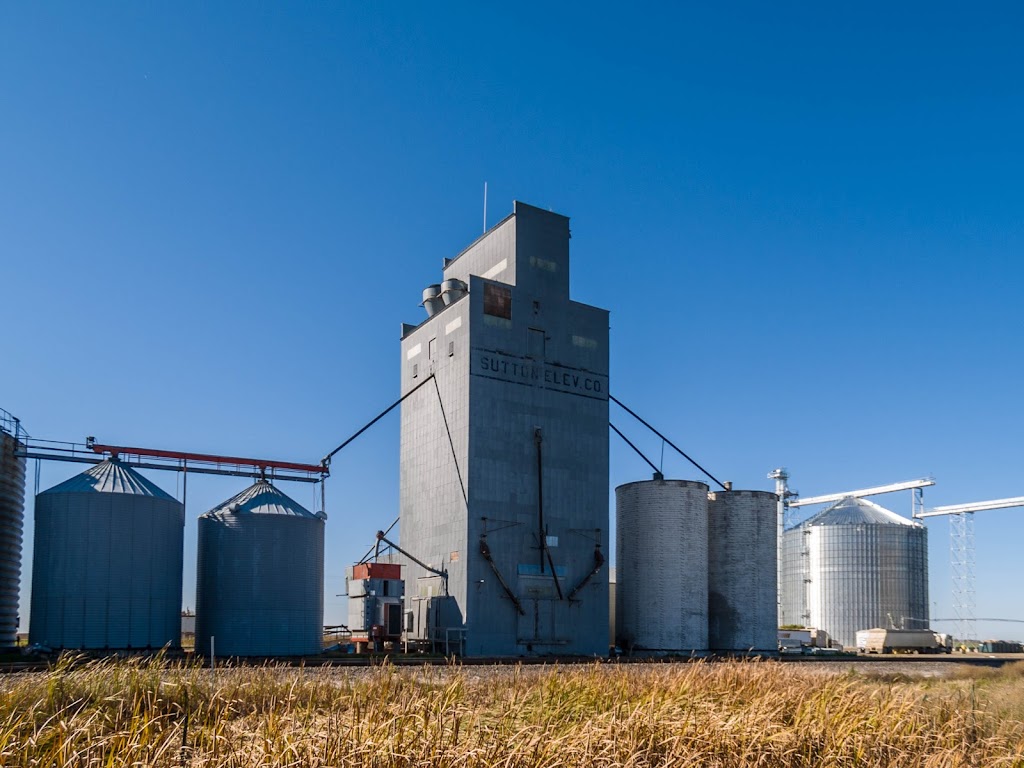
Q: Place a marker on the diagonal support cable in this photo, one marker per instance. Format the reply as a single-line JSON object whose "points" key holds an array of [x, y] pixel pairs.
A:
{"points": [[638, 451], [451, 443], [375, 419], [672, 445]]}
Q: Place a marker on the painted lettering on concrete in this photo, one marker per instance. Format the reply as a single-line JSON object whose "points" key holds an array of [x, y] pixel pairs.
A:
{"points": [[526, 371]]}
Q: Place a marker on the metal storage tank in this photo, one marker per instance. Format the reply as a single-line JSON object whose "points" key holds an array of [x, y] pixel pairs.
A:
{"points": [[854, 566], [742, 576], [260, 577], [661, 545], [793, 600], [106, 572], [12, 517]]}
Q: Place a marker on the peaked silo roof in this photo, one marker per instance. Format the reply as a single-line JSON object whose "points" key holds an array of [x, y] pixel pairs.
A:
{"points": [[111, 476], [853, 511], [261, 498]]}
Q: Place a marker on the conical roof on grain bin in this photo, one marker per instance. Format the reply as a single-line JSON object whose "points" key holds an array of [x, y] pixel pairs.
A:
{"points": [[853, 511], [107, 562], [262, 498], [246, 544], [110, 476]]}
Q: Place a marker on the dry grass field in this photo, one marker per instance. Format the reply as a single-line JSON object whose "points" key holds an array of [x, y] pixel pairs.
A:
{"points": [[142, 713]]}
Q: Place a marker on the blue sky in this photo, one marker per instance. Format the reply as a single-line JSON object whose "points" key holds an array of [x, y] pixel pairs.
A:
{"points": [[807, 224]]}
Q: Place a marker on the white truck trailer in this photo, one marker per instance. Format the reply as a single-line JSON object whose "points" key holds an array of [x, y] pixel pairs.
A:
{"points": [[880, 640]]}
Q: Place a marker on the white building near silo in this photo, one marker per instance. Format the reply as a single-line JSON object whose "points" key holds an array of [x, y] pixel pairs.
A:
{"points": [[504, 450], [853, 566]]}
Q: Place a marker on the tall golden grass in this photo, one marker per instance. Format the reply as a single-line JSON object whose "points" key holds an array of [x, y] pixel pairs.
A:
{"points": [[133, 713]]}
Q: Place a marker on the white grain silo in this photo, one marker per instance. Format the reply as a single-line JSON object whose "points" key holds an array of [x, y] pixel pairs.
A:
{"points": [[742, 590], [260, 577], [854, 566], [12, 517], [106, 571], [661, 544]]}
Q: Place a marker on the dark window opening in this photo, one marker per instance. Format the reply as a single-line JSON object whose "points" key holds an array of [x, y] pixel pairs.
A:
{"points": [[498, 300], [535, 347]]}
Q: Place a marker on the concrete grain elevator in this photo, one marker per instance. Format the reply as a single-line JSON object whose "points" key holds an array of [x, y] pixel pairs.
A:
{"points": [[504, 451]]}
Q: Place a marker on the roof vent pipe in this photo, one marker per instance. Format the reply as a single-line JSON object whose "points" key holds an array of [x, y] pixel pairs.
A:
{"points": [[452, 291], [432, 299], [728, 485]]}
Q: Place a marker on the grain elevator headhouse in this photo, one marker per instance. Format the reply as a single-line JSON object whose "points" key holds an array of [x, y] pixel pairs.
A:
{"points": [[504, 451]]}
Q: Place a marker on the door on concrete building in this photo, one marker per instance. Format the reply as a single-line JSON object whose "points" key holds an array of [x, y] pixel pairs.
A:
{"points": [[393, 619], [545, 625], [536, 344]]}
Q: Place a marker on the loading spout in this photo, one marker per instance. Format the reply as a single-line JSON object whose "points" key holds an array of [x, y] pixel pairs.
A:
{"points": [[598, 563], [485, 550], [554, 574], [442, 573]]}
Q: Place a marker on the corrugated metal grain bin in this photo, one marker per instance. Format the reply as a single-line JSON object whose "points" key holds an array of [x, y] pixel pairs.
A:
{"points": [[855, 566], [106, 572], [12, 519], [794, 590], [742, 600], [260, 578], [661, 591]]}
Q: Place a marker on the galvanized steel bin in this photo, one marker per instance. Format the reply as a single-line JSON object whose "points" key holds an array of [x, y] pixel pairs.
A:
{"points": [[106, 570], [259, 589], [858, 566], [12, 518]]}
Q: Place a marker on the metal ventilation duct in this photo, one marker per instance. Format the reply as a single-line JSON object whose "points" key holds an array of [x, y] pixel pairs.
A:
{"points": [[106, 570], [432, 301], [260, 577], [452, 291]]}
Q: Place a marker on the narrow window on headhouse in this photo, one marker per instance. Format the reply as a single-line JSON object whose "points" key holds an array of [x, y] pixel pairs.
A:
{"points": [[432, 349], [498, 300], [535, 344]]}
